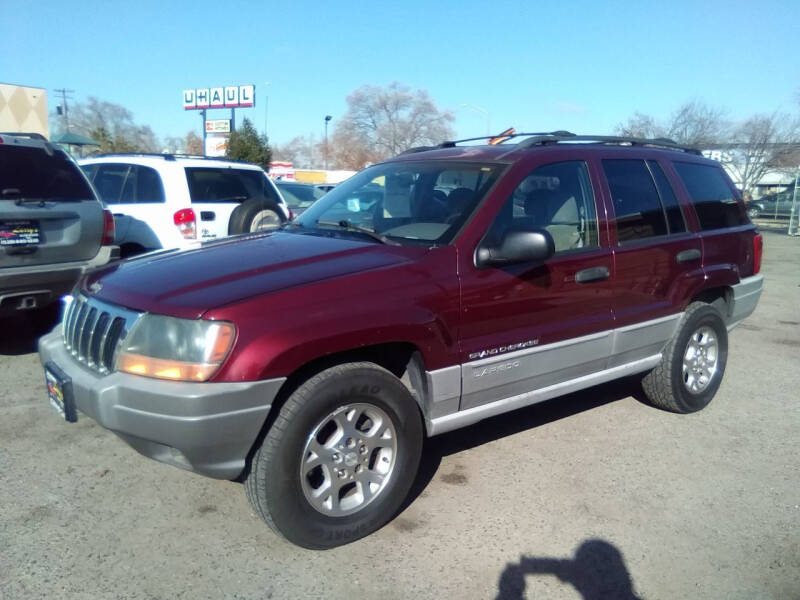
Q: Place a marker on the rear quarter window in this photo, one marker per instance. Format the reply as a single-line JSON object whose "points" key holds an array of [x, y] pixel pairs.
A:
{"points": [[712, 197], [209, 184]]}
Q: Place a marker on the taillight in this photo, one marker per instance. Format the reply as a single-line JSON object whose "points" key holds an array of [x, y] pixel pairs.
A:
{"points": [[291, 214], [758, 250], [185, 221], [109, 228]]}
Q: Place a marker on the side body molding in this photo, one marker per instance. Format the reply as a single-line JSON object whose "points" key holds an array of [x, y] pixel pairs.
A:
{"points": [[465, 394]]}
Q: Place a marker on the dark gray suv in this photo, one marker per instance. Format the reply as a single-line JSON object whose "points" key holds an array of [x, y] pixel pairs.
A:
{"points": [[52, 226]]}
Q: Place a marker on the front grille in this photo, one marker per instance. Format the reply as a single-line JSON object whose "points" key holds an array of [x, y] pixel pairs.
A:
{"points": [[92, 331]]}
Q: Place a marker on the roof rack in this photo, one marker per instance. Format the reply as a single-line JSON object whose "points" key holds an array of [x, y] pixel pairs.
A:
{"points": [[164, 155], [508, 136], [169, 156], [541, 140]]}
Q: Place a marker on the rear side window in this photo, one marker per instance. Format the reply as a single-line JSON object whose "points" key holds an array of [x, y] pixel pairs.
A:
{"points": [[713, 199], [637, 206], [671, 207], [143, 186], [227, 185], [28, 172], [109, 180]]}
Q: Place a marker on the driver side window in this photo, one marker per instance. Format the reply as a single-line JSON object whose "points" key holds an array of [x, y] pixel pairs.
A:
{"points": [[556, 198]]}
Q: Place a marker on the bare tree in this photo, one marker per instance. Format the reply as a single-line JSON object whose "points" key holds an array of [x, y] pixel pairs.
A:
{"points": [[697, 125], [193, 143], [693, 124], [112, 126], [174, 144], [640, 125], [383, 121], [760, 144], [303, 151]]}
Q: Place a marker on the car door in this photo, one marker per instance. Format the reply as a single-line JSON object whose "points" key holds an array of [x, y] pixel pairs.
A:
{"points": [[135, 195], [530, 326], [658, 260]]}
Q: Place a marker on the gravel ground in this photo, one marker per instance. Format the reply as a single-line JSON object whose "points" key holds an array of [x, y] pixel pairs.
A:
{"points": [[592, 495]]}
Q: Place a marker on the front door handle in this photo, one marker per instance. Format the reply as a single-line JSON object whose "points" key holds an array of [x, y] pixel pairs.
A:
{"points": [[688, 256], [592, 274], [207, 215]]}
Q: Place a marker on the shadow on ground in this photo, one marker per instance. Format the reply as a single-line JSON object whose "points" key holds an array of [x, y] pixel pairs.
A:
{"points": [[19, 334], [516, 421], [597, 571]]}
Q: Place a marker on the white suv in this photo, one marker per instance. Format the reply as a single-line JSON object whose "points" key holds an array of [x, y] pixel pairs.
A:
{"points": [[176, 201]]}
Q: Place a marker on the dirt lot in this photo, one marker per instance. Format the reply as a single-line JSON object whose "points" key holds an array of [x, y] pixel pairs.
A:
{"points": [[593, 495]]}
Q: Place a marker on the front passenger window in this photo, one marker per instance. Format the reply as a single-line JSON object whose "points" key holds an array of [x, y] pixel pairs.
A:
{"points": [[556, 198]]}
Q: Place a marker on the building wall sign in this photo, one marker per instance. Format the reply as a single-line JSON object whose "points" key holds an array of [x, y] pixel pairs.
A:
{"points": [[240, 96]]}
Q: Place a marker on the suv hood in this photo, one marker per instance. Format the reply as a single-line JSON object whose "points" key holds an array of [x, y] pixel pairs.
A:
{"points": [[187, 283]]}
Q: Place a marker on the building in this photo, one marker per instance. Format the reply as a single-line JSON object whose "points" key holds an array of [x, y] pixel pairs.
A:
{"points": [[23, 109]]}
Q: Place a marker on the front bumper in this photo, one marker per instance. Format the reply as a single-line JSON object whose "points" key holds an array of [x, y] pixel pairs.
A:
{"points": [[208, 428]]}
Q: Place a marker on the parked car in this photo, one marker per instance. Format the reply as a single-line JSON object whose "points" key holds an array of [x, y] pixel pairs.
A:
{"points": [[52, 226], [177, 201], [777, 205], [299, 196], [312, 362]]}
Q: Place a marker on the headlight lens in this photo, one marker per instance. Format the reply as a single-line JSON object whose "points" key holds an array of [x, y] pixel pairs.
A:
{"points": [[177, 349]]}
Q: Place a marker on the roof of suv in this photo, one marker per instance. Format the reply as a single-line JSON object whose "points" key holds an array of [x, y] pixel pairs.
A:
{"points": [[151, 159], [508, 151]]}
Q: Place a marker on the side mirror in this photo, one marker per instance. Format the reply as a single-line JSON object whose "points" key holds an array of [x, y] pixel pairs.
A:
{"points": [[518, 247]]}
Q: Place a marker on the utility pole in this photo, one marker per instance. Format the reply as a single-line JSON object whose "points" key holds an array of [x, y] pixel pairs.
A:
{"points": [[63, 109], [327, 120]]}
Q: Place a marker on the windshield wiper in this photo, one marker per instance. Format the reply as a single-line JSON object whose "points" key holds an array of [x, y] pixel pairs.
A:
{"points": [[344, 224]]}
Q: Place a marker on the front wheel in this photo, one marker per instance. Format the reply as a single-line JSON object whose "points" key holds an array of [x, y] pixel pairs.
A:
{"points": [[340, 457], [753, 212], [692, 363]]}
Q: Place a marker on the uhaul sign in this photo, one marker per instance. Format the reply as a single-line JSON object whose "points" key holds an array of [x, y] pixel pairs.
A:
{"points": [[235, 96]]}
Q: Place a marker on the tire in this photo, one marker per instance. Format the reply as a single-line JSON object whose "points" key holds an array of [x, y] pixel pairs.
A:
{"points": [[674, 385], [294, 492], [753, 212], [249, 214]]}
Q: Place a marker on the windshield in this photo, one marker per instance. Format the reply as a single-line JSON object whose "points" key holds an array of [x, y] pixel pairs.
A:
{"points": [[299, 195], [423, 202]]}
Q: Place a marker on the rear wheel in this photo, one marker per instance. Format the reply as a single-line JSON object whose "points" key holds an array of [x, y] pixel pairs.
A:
{"points": [[340, 457], [753, 212], [692, 364]]}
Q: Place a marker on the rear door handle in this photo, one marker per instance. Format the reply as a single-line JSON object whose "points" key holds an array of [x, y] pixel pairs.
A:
{"points": [[592, 274], [207, 215], [688, 256]]}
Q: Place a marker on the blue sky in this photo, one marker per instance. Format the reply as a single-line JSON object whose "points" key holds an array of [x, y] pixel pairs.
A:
{"points": [[579, 65]]}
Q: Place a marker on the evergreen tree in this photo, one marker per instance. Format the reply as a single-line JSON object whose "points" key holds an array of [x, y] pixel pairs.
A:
{"points": [[246, 144]]}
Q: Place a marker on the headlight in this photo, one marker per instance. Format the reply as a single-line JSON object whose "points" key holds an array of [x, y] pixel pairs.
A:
{"points": [[177, 349]]}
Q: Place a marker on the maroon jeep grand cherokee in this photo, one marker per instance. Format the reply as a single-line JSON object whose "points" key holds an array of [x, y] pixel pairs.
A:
{"points": [[426, 293]]}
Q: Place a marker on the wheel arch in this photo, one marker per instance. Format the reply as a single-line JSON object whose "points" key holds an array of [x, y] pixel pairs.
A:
{"points": [[402, 359], [720, 297]]}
